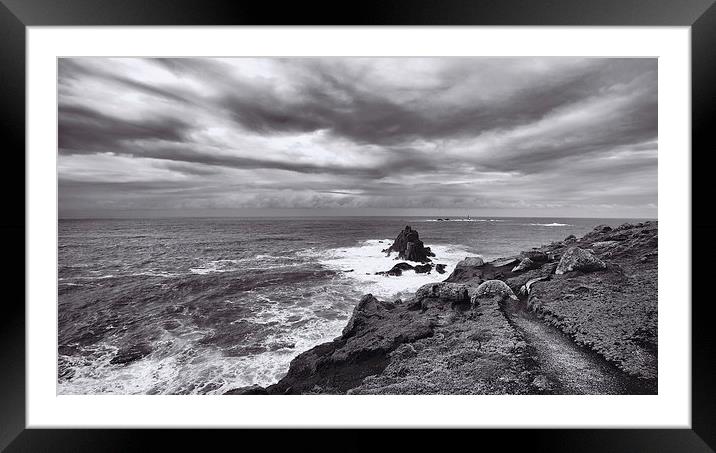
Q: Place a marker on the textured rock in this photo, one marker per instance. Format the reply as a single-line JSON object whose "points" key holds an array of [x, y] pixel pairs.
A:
{"points": [[524, 265], [577, 259], [471, 261], [251, 390], [451, 292], [375, 329], [440, 268], [492, 288], [397, 270], [438, 343], [473, 352], [613, 312], [525, 289], [409, 247], [604, 244], [472, 266], [536, 256], [504, 262]]}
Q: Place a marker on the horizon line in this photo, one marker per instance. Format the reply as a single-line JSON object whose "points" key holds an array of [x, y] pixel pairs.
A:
{"points": [[346, 216]]}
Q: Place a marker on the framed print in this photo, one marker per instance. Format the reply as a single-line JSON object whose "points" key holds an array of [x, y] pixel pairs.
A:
{"points": [[413, 217]]}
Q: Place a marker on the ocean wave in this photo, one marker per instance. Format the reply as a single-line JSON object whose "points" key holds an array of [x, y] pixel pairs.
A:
{"points": [[360, 263], [463, 220], [550, 224], [190, 360], [215, 266], [150, 273], [258, 262]]}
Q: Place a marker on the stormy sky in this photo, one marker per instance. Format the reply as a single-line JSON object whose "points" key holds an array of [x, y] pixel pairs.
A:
{"points": [[566, 137]]}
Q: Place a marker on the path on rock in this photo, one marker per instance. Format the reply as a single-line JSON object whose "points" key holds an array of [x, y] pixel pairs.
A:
{"points": [[569, 368]]}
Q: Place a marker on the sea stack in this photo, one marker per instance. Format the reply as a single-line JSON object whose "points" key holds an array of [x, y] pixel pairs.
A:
{"points": [[410, 247]]}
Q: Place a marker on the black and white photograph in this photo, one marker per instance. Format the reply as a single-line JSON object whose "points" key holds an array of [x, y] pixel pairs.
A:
{"points": [[357, 226]]}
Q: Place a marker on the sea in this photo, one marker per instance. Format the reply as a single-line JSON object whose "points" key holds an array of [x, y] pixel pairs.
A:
{"points": [[214, 304]]}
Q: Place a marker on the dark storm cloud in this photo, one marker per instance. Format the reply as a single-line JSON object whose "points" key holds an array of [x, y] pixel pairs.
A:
{"points": [[394, 164], [86, 130], [342, 132], [332, 100]]}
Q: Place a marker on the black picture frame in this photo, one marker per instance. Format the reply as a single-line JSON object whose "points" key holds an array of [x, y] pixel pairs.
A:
{"points": [[16, 15]]}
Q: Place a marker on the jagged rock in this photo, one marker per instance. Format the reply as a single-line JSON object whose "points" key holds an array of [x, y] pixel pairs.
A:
{"points": [[577, 259], [452, 292], [541, 383], [525, 289], [602, 229], [392, 348], [525, 264], [366, 307], [397, 270], [624, 226], [536, 256], [504, 262], [471, 261], [440, 268], [492, 288], [470, 267], [570, 238], [251, 390], [409, 247], [604, 244]]}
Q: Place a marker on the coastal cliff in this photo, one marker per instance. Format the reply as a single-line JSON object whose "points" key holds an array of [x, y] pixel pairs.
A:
{"points": [[578, 316]]}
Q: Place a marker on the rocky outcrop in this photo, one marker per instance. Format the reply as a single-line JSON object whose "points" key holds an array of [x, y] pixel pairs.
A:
{"points": [[468, 268], [494, 288], [524, 265], [399, 268], [409, 247], [536, 256], [454, 293], [525, 289], [577, 259], [471, 261], [614, 311], [460, 336]]}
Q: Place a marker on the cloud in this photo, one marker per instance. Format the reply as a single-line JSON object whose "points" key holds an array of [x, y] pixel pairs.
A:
{"points": [[357, 133]]}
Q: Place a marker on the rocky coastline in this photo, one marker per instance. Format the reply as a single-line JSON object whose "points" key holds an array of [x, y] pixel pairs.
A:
{"points": [[577, 316]]}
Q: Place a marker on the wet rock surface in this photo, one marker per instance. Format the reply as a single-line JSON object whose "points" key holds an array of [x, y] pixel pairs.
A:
{"points": [[409, 247], [489, 330]]}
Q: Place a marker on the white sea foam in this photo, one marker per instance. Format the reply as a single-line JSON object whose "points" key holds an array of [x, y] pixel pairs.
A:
{"points": [[550, 224], [367, 258], [463, 220], [265, 261], [178, 365], [215, 266]]}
